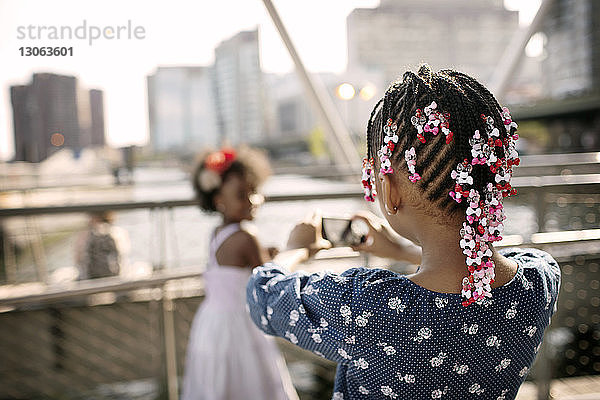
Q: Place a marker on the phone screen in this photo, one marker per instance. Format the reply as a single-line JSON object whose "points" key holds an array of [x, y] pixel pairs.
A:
{"points": [[342, 231]]}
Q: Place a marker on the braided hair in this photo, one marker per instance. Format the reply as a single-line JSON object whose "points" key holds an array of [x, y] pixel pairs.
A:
{"points": [[472, 160]]}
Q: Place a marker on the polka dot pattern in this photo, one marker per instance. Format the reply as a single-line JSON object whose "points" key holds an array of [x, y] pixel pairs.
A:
{"points": [[393, 339]]}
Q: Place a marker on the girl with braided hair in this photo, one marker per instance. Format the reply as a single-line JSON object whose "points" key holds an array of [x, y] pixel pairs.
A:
{"points": [[469, 322]]}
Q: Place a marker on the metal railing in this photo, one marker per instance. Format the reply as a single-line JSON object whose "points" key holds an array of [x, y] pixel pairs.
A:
{"points": [[113, 338]]}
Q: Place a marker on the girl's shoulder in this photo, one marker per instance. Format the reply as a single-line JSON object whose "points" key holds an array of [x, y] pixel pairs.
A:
{"points": [[539, 274], [241, 248], [534, 261]]}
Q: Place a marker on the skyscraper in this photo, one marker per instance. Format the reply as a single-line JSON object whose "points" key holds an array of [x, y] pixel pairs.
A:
{"points": [[467, 35], [572, 62], [238, 82], [181, 106], [47, 116]]}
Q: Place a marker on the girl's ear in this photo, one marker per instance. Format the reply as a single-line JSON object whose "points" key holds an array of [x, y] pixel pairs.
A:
{"points": [[390, 193]]}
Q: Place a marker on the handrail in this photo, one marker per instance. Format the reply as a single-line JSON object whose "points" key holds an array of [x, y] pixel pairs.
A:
{"points": [[521, 182], [159, 278], [101, 285]]}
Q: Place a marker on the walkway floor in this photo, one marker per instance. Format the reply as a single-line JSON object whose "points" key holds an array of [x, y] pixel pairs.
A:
{"points": [[578, 388]]}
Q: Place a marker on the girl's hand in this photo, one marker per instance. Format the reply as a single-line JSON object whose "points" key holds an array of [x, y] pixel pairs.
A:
{"points": [[382, 242], [308, 235]]}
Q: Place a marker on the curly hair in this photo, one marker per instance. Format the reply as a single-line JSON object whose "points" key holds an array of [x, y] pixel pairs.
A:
{"points": [[249, 163], [465, 99]]}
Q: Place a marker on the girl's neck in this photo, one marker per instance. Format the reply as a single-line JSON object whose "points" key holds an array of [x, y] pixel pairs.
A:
{"points": [[226, 221], [443, 264]]}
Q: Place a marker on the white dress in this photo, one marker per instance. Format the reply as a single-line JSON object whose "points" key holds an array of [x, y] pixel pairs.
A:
{"points": [[228, 358]]}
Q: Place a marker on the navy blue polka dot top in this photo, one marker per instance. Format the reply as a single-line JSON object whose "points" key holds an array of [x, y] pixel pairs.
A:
{"points": [[393, 339]]}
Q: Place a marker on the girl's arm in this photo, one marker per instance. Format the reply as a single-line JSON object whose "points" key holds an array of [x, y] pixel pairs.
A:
{"points": [[383, 242]]}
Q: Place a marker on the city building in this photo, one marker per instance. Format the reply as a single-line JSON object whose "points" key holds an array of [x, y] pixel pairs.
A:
{"points": [[353, 93], [182, 109], [52, 113], [567, 117], [467, 35], [239, 89], [572, 63]]}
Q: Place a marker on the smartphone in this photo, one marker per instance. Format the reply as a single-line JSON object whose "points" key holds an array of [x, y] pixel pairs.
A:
{"points": [[342, 232]]}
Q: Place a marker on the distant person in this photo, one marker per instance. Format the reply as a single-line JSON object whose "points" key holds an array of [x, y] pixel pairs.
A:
{"points": [[98, 252], [469, 323], [228, 358]]}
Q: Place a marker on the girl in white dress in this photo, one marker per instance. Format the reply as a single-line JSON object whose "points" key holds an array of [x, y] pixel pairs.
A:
{"points": [[228, 358]]}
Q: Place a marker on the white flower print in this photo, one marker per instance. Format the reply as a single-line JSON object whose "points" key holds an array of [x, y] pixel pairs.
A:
{"points": [[323, 324], [388, 392], [291, 337], [440, 302], [512, 311], [423, 334], [269, 313], [388, 349], [526, 284], [438, 393], [375, 282], [263, 320], [310, 290], [254, 295], [344, 354], [503, 364], [294, 316], [340, 279], [395, 303], [318, 276], [460, 369], [502, 395], [363, 390], [346, 312], [438, 360], [301, 309], [476, 389], [493, 341], [530, 330], [408, 378], [471, 330], [361, 363], [350, 340], [317, 337], [363, 320], [338, 396], [524, 371]]}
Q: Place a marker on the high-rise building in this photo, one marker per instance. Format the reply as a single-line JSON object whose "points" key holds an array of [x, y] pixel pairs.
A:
{"points": [[238, 82], [181, 106], [572, 62], [46, 116], [467, 35], [97, 132], [50, 114]]}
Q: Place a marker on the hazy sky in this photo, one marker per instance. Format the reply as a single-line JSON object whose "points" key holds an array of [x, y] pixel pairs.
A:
{"points": [[177, 32]]}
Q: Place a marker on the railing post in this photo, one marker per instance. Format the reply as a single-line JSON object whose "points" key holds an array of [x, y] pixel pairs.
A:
{"points": [[544, 375], [169, 343]]}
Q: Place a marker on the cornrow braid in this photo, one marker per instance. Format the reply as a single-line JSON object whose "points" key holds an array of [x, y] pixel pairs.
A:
{"points": [[458, 146]]}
